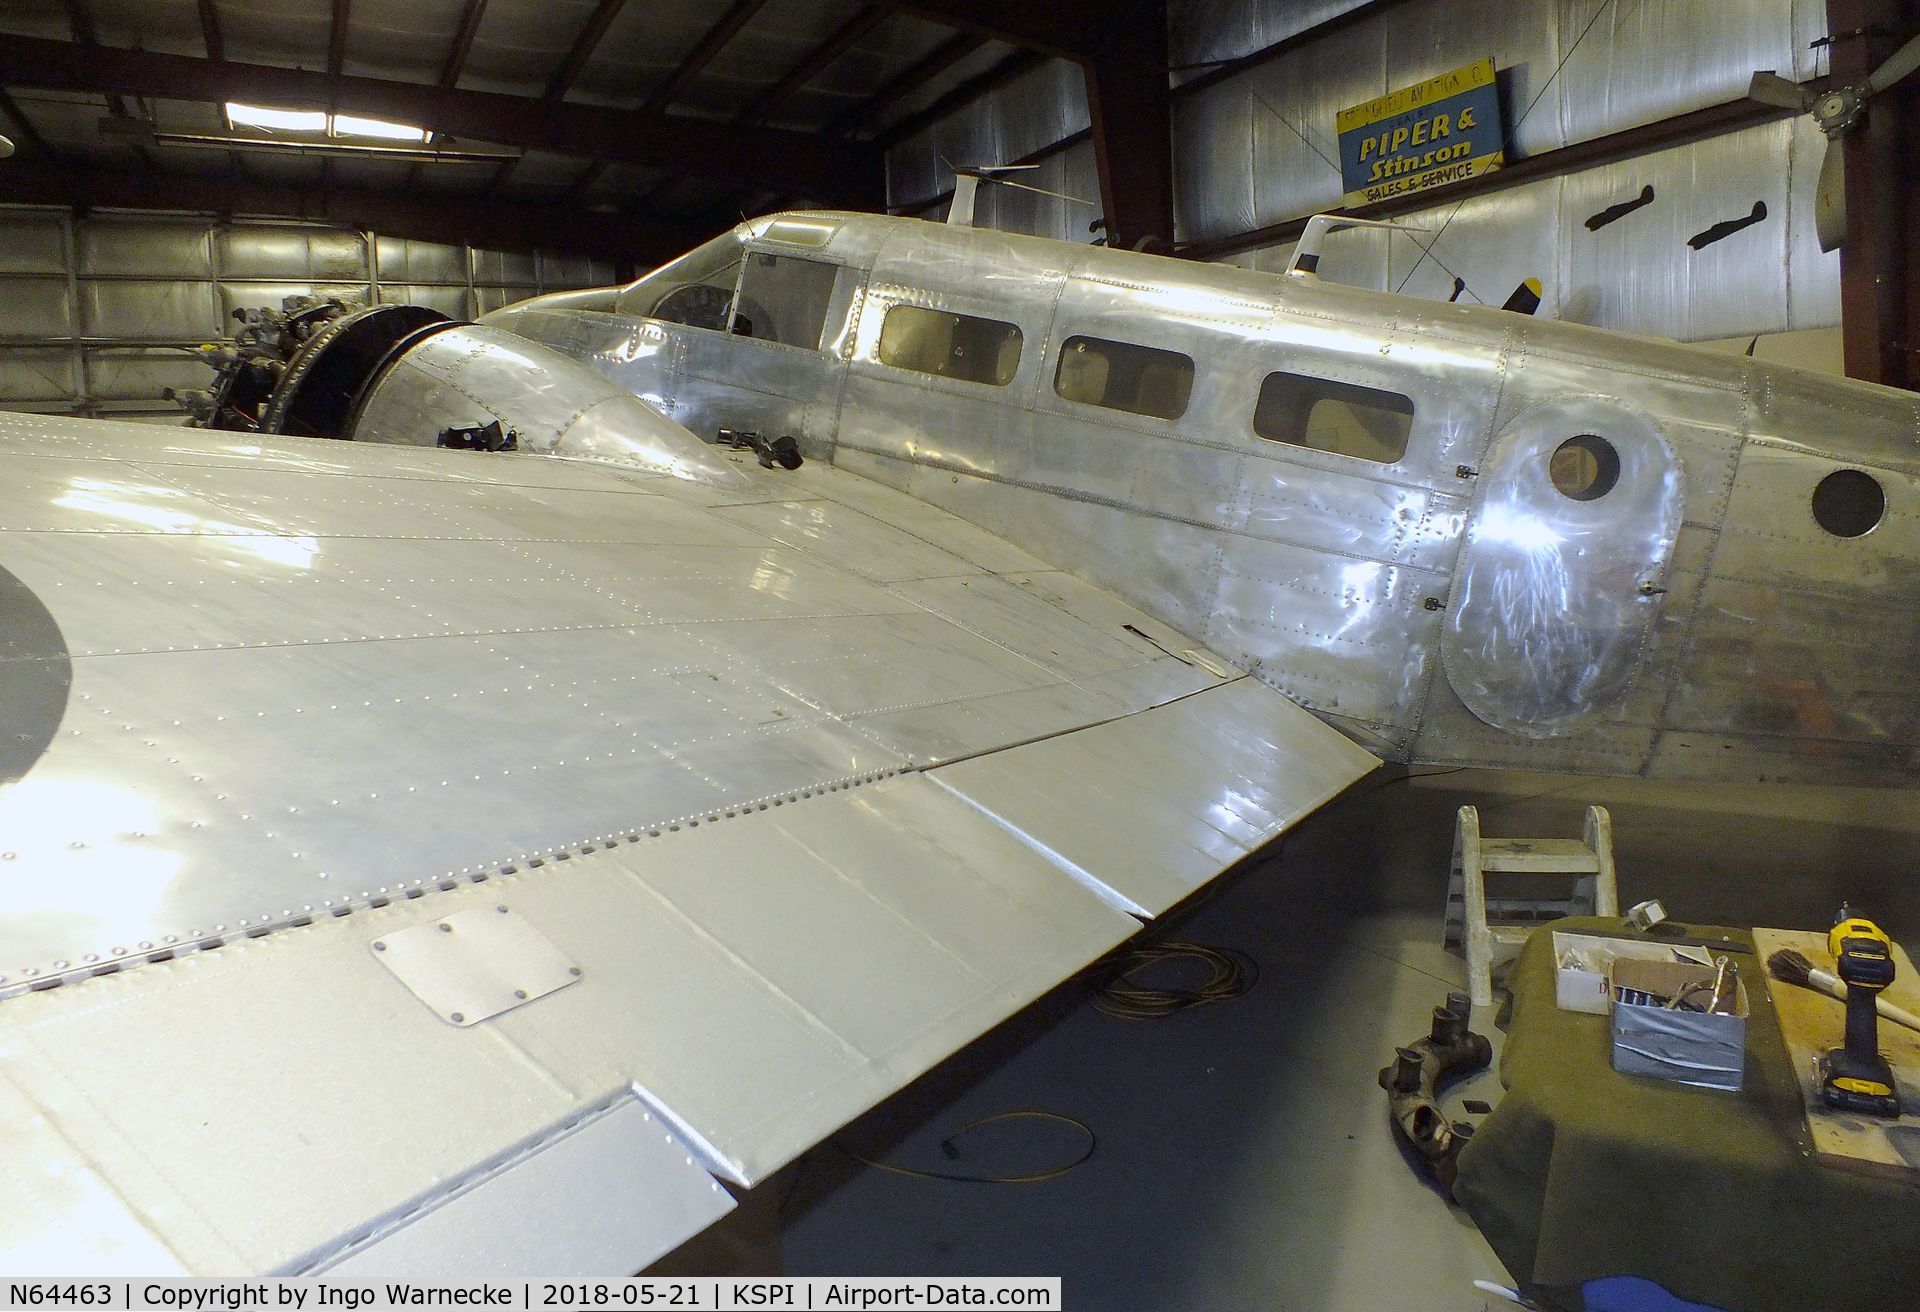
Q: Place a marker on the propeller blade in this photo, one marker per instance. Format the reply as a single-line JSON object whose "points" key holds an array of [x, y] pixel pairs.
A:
{"points": [[1830, 204], [1769, 88], [1902, 62]]}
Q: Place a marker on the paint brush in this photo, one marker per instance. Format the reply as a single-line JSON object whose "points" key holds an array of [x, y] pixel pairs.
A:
{"points": [[1791, 967]]}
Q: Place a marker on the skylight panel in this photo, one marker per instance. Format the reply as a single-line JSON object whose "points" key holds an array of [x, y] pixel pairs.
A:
{"points": [[278, 120], [319, 122], [352, 125]]}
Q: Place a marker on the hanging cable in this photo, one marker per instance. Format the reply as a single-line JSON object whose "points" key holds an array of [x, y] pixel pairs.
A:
{"points": [[1285, 122], [1507, 143]]}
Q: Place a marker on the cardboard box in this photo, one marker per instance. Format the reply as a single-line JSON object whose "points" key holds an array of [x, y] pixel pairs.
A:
{"points": [[1582, 962], [1708, 1050]]}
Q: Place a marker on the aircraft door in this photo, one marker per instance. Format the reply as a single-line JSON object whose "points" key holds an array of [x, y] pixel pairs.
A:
{"points": [[1565, 565]]}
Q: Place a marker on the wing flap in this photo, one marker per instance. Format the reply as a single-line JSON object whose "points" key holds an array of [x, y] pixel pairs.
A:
{"points": [[647, 1198], [1150, 807], [757, 982]]}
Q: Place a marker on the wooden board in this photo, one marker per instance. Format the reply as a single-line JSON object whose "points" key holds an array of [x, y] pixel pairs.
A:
{"points": [[1811, 1022]]}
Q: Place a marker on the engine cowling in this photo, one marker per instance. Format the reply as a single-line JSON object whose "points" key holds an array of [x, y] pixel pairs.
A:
{"points": [[470, 375], [410, 376]]}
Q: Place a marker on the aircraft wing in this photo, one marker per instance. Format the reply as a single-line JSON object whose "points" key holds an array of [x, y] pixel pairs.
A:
{"points": [[433, 861]]}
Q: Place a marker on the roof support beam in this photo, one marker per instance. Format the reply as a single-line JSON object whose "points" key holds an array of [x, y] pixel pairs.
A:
{"points": [[1122, 52], [815, 63], [962, 95], [843, 172], [1067, 29], [1879, 279], [583, 46], [504, 224], [725, 28], [81, 22], [1267, 54], [210, 31], [945, 56], [337, 36], [1132, 115], [462, 43], [23, 128]]}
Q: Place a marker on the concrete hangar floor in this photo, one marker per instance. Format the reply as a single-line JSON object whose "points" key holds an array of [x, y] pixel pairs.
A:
{"points": [[1244, 1156]]}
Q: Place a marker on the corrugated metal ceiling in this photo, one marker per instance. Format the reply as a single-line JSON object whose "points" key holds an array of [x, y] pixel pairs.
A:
{"points": [[519, 47]]}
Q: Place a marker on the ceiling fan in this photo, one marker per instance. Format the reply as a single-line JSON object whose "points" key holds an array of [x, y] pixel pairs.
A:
{"points": [[1838, 111]]}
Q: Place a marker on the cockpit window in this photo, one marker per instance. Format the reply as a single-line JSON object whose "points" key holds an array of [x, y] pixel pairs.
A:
{"points": [[696, 289], [1120, 376], [950, 345], [783, 298], [1343, 419], [700, 304]]}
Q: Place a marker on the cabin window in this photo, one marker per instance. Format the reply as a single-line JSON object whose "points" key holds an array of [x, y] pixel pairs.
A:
{"points": [[1584, 468], [1848, 503], [1344, 419], [784, 299], [950, 345], [1120, 376]]}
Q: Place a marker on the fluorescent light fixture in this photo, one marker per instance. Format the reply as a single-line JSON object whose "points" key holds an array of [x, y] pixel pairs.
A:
{"points": [[351, 125], [284, 120]]}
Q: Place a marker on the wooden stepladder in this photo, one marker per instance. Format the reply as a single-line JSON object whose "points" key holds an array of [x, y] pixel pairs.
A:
{"points": [[1583, 868]]}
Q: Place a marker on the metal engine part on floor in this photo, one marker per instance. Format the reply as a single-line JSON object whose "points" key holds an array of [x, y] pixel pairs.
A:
{"points": [[1413, 1083]]}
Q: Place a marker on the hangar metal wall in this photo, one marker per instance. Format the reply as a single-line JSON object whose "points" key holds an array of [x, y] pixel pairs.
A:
{"points": [[93, 311], [1026, 115], [1259, 148], [1638, 274]]}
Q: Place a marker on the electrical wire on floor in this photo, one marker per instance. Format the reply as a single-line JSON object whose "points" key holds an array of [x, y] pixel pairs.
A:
{"points": [[1123, 996], [950, 1147]]}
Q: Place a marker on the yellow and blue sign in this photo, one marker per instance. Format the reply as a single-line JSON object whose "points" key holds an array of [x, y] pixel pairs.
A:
{"points": [[1443, 130]]}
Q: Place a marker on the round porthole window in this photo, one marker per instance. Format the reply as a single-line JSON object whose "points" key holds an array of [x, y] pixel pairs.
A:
{"points": [[1848, 503], [1584, 468]]}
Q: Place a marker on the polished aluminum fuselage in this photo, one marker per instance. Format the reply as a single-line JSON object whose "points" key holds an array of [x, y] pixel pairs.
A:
{"points": [[1449, 607]]}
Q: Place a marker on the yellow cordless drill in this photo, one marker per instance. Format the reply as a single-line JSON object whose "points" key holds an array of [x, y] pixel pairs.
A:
{"points": [[1856, 1078]]}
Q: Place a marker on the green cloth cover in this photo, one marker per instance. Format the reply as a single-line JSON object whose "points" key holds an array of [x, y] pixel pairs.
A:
{"points": [[1582, 1173]]}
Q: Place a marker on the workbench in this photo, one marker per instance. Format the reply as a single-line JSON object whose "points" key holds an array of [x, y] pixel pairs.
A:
{"points": [[1582, 1173]]}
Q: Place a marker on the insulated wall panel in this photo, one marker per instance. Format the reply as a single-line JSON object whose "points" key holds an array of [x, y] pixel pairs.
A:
{"points": [[454, 302], [123, 374], [278, 251], [503, 267], [164, 249], [1569, 71], [148, 311], [35, 309], [32, 243], [403, 260], [125, 283], [38, 374]]}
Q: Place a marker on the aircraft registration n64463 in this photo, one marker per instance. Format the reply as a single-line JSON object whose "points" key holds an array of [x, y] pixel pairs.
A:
{"points": [[683, 713]]}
